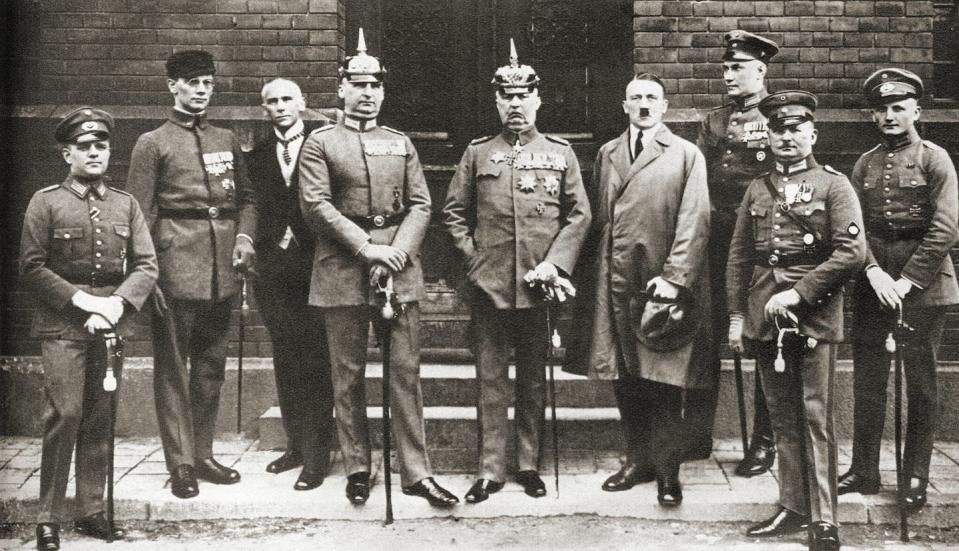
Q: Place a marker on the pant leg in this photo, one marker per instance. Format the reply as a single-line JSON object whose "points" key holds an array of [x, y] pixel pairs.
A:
{"points": [[668, 432], [531, 343], [208, 347], [347, 346], [922, 389], [819, 368], [406, 397], [762, 425], [171, 381], [313, 391], [490, 341], [871, 363], [93, 440], [64, 370]]}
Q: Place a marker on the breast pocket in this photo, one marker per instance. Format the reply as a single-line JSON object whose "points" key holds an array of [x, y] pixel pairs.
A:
{"points": [[814, 211], [66, 242], [759, 216], [914, 192]]}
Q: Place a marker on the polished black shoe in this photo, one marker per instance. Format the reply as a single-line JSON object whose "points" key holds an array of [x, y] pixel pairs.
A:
{"points": [[429, 490], [669, 492], [630, 475], [824, 536], [183, 482], [308, 479], [783, 522], [96, 526], [48, 536], [214, 472], [916, 496], [532, 484], [290, 460], [852, 483], [358, 488], [481, 490], [759, 458]]}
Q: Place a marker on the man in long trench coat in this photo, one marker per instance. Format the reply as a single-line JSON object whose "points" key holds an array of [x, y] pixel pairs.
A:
{"points": [[650, 230]]}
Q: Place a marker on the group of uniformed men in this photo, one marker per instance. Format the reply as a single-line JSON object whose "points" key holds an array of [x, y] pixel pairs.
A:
{"points": [[742, 236]]}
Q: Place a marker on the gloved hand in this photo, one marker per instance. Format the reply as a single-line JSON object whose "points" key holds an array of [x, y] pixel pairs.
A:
{"points": [[735, 336], [243, 255], [391, 257], [779, 305], [378, 273], [885, 287], [662, 288]]}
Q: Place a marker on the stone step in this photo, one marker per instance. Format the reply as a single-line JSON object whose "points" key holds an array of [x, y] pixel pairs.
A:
{"points": [[453, 432]]}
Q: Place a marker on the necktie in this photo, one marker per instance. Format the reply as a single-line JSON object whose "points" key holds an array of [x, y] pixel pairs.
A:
{"points": [[638, 144], [286, 147]]}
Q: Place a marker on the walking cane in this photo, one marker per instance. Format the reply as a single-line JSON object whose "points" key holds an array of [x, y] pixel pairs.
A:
{"points": [[902, 480], [244, 310], [385, 324], [554, 342], [113, 363], [738, 370]]}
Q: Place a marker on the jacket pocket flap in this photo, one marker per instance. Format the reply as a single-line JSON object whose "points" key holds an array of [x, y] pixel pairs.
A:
{"points": [[122, 230], [67, 233]]}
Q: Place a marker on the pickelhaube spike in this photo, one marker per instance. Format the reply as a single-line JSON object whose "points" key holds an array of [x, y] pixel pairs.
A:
{"points": [[362, 67], [515, 78]]}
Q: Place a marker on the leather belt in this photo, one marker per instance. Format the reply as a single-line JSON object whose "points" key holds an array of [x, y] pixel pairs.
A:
{"points": [[96, 280], [787, 261], [892, 234], [377, 220], [211, 213]]}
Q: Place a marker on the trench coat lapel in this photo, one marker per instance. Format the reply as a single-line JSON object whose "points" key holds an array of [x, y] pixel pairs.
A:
{"points": [[651, 152]]}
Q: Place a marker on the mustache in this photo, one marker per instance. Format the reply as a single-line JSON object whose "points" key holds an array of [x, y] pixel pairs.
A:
{"points": [[644, 111]]}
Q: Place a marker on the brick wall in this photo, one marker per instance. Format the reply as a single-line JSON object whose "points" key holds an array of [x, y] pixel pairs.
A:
{"points": [[112, 52], [827, 47]]}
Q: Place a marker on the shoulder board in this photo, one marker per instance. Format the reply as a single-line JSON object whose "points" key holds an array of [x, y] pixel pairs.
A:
{"points": [[933, 146], [723, 106], [557, 139], [478, 141], [49, 188], [120, 191], [873, 150], [832, 170], [393, 130], [322, 129]]}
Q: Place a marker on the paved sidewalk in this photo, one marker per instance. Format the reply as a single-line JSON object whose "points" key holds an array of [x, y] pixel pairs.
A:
{"points": [[712, 492]]}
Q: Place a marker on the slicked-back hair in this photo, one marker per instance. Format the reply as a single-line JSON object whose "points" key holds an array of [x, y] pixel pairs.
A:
{"points": [[653, 78]]}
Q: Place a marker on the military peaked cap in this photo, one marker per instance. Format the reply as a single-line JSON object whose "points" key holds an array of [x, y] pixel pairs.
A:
{"points": [[746, 46], [81, 121], [788, 108], [886, 85]]}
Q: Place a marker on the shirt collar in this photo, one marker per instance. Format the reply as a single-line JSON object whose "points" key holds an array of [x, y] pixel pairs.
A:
{"points": [[360, 125], [798, 166], [524, 137], [188, 120], [81, 189], [649, 134], [291, 132]]}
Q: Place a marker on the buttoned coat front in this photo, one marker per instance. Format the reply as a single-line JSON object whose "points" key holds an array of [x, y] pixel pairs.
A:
{"points": [[651, 219]]}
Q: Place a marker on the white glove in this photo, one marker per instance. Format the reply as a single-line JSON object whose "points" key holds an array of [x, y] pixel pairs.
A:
{"points": [[735, 336], [885, 287]]}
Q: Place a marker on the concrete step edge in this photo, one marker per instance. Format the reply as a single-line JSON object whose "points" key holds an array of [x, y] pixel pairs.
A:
{"points": [[469, 413]]}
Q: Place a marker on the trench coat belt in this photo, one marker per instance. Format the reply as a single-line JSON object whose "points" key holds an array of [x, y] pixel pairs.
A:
{"points": [[210, 213]]}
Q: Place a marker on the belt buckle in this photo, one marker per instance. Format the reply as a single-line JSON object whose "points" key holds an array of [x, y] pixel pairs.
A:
{"points": [[379, 221], [773, 259], [214, 212]]}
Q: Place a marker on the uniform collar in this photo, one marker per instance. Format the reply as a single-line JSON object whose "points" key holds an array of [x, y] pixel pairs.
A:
{"points": [[81, 189], [188, 120], [751, 101], [293, 132], [360, 125], [899, 141], [524, 137], [798, 166]]}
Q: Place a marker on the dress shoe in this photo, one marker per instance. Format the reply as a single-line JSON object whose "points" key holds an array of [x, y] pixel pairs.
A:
{"points": [[850, 483], [669, 491], [358, 487], [531, 482], [183, 482], [96, 526], [290, 460], [48, 536], [783, 522], [432, 492], [211, 471], [308, 479], [824, 536], [915, 496], [759, 458], [630, 475], [481, 490]]}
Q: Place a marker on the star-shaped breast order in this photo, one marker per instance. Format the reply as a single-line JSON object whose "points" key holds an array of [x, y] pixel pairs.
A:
{"points": [[551, 183], [527, 184], [498, 157]]}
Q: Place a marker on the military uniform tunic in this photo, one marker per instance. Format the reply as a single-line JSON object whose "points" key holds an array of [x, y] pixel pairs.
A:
{"points": [[515, 200], [909, 199], [735, 142], [190, 177], [362, 183], [771, 252], [79, 238]]}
